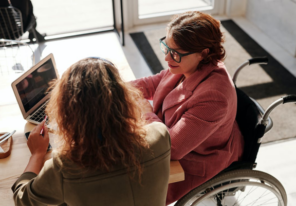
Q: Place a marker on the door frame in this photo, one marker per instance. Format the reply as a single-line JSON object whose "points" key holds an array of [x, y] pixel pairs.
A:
{"points": [[218, 9]]}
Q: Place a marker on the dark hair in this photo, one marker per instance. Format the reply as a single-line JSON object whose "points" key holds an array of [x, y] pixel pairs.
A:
{"points": [[195, 31], [98, 117]]}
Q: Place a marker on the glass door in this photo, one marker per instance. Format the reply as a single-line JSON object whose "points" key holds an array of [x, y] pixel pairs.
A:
{"points": [[55, 17], [152, 11]]}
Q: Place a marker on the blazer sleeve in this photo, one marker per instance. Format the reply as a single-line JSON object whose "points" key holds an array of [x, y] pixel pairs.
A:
{"points": [[198, 123], [42, 189], [149, 84]]}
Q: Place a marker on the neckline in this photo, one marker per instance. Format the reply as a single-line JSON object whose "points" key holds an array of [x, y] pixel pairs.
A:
{"points": [[181, 80]]}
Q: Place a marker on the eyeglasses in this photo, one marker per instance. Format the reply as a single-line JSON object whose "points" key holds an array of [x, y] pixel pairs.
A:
{"points": [[176, 56]]}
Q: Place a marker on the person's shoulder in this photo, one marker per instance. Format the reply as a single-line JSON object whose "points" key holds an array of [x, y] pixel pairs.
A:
{"points": [[219, 65], [218, 85], [221, 68], [158, 137], [218, 74], [65, 166], [157, 127], [61, 163], [56, 160], [53, 164]]}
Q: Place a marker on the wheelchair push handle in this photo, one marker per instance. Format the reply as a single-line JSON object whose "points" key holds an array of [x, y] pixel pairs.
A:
{"points": [[283, 100], [255, 60], [265, 118], [289, 98], [258, 60]]}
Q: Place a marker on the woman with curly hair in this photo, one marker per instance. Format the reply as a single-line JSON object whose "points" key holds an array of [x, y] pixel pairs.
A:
{"points": [[106, 153], [196, 99]]}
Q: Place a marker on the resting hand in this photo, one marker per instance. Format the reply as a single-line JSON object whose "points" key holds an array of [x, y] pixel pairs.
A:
{"points": [[36, 142], [146, 106]]}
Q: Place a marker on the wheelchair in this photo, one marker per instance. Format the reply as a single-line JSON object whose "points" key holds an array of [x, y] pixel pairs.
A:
{"points": [[239, 184]]}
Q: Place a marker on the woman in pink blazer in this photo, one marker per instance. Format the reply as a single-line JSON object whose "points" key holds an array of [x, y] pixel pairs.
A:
{"points": [[196, 99]]}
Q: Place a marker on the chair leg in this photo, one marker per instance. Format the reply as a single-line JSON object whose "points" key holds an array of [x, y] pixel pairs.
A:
{"points": [[34, 33]]}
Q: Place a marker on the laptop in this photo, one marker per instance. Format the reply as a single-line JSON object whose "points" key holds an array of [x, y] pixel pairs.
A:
{"points": [[31, 89]]}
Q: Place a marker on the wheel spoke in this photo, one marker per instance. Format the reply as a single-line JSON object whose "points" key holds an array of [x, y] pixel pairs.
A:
{"points": [[249, 192], [255, 202], [264, 203], [238, 188], [237, 198], [259, 197], [241, 200], [227, 193]]}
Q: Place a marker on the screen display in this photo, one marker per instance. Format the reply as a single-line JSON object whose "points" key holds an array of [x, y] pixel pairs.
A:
{"points": [[35, 86]]}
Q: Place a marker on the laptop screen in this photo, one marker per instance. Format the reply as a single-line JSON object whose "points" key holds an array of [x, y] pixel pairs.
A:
{"points": [[34, 87]]}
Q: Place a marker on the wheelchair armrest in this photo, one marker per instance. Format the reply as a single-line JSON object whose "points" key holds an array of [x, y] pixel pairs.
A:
{"points": [[269, 123]]}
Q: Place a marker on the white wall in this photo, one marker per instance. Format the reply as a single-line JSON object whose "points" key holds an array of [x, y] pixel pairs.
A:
{"points": [[235, 7], [277, 19]]}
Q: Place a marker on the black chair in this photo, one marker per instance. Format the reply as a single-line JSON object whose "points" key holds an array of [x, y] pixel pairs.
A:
{"points": [[16, 17], [12, 24]]}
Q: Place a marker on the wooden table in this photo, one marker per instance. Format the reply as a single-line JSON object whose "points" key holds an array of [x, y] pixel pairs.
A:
{"points": [[13, 166]]}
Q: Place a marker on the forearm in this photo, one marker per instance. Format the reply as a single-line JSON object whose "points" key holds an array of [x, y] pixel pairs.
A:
{"points": [[35, 163], [149, 84]]}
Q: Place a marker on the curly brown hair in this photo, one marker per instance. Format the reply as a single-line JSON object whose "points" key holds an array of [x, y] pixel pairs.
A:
{"points": [[194, 31], [98, 119]]}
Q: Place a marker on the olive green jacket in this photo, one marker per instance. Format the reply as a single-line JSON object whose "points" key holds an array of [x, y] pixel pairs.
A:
{"points": [[55, 186]]}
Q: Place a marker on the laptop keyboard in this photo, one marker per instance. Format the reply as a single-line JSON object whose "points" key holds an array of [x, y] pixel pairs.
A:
{"points": [[39, 114]]}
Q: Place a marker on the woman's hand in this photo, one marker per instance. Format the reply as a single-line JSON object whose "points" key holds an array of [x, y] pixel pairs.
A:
{"points": [[37, 143], [146, 106], [38, 146]]}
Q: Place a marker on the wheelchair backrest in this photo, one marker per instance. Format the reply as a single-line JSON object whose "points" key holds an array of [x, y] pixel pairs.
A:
{"points": [[248, 117]]}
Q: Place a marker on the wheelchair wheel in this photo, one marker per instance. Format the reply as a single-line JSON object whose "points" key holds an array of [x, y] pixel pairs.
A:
{"points": [[237, 188]]}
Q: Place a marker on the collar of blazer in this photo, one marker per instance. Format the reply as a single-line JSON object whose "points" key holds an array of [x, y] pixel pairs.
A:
{"points": [[173, 96]]}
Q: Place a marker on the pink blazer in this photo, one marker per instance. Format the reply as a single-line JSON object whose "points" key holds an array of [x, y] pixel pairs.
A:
{"points": [[200, 116]]}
